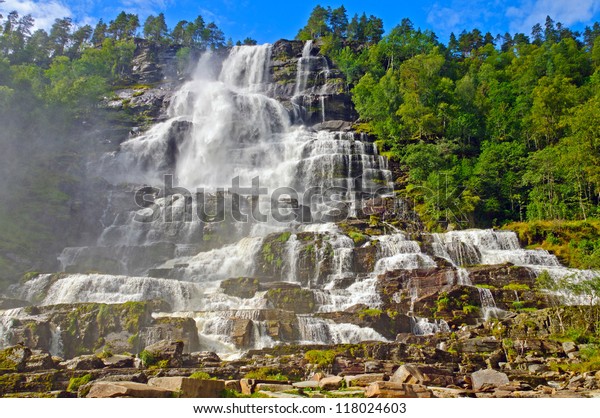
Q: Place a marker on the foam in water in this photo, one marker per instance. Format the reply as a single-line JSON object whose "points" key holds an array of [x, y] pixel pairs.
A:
{"points": [[99, 288]]}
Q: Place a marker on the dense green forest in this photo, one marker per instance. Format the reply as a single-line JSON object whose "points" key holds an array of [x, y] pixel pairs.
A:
{"points": [[488, 129]]}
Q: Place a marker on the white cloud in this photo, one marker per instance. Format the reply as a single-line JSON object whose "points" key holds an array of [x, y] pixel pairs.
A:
{"points": [[568, 12], [144, 7], [44, 12], [457, 15]]}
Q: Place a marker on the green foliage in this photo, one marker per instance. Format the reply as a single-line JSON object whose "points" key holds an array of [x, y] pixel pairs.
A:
{"points": [[76, 382], [147, 358], [519, 287], [369, 312], [320, 358], [200, 376], [266, 373]]}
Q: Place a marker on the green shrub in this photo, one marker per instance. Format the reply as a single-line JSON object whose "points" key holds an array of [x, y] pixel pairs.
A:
{"points": [[147, 358], [200, 376], [76, 382]]}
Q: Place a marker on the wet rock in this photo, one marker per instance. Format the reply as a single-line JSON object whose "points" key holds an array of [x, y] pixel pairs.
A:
{"points": [[488, 378], [8, 303], [39, 360], [126, 390], [190, 388], [242, 287], [89, 362], [173, 329], [333, 125], [201, 358], [14, 358], [300, 301], [168, 350], [397, 390], [241, 334]]}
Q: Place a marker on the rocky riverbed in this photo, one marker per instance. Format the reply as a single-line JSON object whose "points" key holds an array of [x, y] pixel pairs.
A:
{"points": [[522, 355]]}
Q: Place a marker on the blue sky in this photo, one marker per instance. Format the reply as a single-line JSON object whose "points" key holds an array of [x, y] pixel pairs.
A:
{"points": [[267, 20]]}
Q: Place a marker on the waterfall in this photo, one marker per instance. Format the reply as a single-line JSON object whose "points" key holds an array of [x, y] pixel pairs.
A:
{"points": [[320, 331], [56, 342], [224, 123], [303, 68], [78, 288], [423, 326]]}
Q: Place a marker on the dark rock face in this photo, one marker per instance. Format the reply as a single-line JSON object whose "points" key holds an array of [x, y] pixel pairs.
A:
{"points": [[242, 287], [167, 350], [83, 363], [167, 328], [14, 358]]}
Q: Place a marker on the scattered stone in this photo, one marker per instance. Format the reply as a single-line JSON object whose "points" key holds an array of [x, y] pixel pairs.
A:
{"points": [[331, 383], [167, 350], [308, 384], [118, 361], [190, 388], [362, 380], [247, 386], [39, 360], [126, 390], [488, 378], [89, 362], [233, 385], [136, 377], [422, 375], [397, 390], [450, 392], [270, 394], [569, 347], [273, 387], [374, 366], [14, 358]]}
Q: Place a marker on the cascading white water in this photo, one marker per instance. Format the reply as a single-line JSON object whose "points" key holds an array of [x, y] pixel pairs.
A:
{"points": [[56, 342], [423, 326], [320, 331], [78, 288], [303, 68]]}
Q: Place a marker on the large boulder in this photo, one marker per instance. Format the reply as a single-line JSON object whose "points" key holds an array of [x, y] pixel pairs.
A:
{"points": [[14, 358], [397, 390], [488, 378], [39, 360], [190, 388], [241, 287], [126, 390], [165, 350], [331, 382], [90, 362], [422, 375], [172, 329]]}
